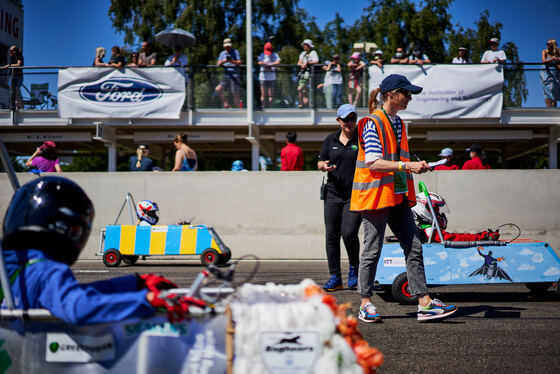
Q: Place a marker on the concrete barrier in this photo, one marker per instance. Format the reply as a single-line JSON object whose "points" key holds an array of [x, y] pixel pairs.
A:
{"points": [[279, 214]]}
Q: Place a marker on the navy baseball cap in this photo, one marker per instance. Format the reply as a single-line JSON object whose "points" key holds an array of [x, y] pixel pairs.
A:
{"points": [[475, 148], [394, 81], [344, 110]]}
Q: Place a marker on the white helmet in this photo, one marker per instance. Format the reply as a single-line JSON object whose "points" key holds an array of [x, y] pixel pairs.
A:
{"points": [[146, 210], [422, 214], [437, 200]]}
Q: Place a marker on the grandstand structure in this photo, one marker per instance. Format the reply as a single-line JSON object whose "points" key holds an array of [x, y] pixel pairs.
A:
{"points": [[217, 132]]}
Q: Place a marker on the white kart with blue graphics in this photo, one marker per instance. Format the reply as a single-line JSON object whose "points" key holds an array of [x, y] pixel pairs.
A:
{"points": [[527, 261]]}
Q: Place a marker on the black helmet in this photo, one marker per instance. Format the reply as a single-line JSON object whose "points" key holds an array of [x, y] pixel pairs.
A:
{"points": [[52, 214]]}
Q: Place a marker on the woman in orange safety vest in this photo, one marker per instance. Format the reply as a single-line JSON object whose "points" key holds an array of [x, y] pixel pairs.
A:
{"points": [[383, 191]]}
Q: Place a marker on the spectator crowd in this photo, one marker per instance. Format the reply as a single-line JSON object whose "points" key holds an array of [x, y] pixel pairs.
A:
{"points": [[309, 64], [337, 76], [340, 82]]}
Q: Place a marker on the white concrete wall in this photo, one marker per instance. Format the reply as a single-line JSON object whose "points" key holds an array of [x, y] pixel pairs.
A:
{"points": [[279, 214]]}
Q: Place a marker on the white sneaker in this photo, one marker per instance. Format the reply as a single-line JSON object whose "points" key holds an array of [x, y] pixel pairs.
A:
{"points": [[368, 313], [436, 309]]}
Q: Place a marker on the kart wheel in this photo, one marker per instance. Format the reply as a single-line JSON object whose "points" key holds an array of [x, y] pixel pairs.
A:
{"points": [[209, 256], [224, 258], [112, 258], [400, 290], [538, 288], [130, 260]]}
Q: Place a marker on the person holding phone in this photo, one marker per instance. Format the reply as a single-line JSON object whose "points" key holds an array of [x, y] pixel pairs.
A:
{"points": [[338, 160], [229, 59]]}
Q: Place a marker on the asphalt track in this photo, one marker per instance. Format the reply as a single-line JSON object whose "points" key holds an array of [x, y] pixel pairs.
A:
{"points": [[497, 329]]}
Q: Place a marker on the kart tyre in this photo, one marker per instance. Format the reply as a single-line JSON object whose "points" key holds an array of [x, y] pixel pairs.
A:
{"points": [[112, 258], [224, 258], [210, 256], [400, 290], [538, 288], [130, 259]]}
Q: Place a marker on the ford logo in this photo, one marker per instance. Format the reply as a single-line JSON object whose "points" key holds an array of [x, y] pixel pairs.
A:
{"points": [[119, 91]]}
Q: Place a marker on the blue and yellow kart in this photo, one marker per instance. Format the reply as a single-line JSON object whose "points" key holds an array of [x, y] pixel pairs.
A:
{"points": [[127, 243]]}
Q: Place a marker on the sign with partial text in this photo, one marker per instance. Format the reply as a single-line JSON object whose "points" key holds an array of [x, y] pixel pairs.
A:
{"points": [[449, 91]]}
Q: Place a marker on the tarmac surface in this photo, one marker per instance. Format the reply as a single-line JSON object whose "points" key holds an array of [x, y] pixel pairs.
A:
{"points": [[497, 329]]}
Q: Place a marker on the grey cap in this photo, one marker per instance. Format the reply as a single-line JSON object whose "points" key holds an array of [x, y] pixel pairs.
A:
{"points": [[446, 152]]}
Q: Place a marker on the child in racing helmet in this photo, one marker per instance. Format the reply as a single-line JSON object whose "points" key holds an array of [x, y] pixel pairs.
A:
{"points": [[147, 212], [426, 228], [45, 228]]}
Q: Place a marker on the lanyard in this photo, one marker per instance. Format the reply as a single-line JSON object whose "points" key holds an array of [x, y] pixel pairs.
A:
{"points": [[18, 270], [395, 132]]}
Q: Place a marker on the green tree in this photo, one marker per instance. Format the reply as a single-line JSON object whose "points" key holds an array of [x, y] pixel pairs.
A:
{"points": [[211, 21], [400, 23], [336, 39], [140, 20], [476, 40], [429, 28], [290, 27]]}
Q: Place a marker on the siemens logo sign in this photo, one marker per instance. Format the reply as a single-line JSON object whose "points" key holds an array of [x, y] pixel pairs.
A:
{"points": [[121, 92]]}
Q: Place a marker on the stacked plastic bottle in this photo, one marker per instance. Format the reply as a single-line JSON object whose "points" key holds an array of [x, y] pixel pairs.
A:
{"points": [[273, 324]]}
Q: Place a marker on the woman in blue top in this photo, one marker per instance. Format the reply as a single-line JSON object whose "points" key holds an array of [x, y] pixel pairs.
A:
{"points": [[185, 157]]}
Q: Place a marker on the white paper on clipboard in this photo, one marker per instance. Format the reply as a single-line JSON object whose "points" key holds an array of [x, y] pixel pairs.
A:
{"points": [[437, 163]]}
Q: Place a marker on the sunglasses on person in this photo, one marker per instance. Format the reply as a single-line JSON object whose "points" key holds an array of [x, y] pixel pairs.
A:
{"points": [[350, 118], [406, 93]]}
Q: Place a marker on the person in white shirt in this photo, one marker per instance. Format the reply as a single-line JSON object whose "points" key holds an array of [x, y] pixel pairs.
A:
{"points": [[306, 60], [463, 57], [332, 86], [267, 75], [493, 55]]}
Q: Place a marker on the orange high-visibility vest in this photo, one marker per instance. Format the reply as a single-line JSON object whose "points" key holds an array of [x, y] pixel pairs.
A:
{"points": [[375, 190]]}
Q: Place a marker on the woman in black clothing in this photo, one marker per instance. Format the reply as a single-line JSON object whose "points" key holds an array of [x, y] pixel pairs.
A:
{"points": [[338, 159], [16, 60]]}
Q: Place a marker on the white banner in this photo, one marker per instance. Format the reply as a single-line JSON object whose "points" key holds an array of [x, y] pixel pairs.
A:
{"points": [[124, 93], [450, 91]]}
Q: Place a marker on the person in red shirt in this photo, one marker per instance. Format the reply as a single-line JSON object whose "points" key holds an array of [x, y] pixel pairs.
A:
{"points": [[478, 159], [291, 155], [447, 154]]}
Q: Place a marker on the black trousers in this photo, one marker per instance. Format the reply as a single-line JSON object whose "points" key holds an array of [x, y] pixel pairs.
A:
{"points": [[340, 222]]}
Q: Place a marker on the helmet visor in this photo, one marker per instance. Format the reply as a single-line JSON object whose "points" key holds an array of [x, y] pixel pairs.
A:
{"points": [[152, 213]]}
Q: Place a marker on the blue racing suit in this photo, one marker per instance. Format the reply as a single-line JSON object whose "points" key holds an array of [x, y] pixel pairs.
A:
{"points": [[51, 285]]}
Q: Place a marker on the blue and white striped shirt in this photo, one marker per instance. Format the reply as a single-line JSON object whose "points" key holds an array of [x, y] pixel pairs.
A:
{"points": [[372, 144]]}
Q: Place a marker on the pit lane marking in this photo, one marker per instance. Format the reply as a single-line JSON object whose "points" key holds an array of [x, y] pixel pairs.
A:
{"points": [[91, 271]]}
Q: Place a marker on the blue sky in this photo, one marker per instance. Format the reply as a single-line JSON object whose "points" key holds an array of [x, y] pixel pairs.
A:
{"points": [[66, 32]]}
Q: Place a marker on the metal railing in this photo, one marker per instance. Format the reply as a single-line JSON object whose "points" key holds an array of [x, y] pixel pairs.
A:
{"points": [[284, 86]]}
